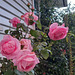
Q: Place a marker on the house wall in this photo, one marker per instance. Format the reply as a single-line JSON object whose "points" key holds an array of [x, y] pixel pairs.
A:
{"points": [[10, 9]]}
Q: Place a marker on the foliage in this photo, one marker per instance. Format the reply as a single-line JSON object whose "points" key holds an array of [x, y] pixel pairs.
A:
{"points": [[72, 31], [53, 61], [49, 14]]}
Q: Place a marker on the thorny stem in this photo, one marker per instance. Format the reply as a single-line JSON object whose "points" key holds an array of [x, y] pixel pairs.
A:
{"points": [[27, 31], [70, 53], [70, 47]]}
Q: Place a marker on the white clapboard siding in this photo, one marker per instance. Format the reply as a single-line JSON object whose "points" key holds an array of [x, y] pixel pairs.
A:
{"points": [[10, 9]]}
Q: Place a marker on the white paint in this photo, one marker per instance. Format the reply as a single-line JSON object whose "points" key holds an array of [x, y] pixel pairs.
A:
{"points": [[1, 28]]}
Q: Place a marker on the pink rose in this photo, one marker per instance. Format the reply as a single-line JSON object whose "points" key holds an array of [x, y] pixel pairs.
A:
{"points": [[57, 32], [14, 21], [10, 47], [27, 44], [26, 61], [21, 52], [27, 19]]}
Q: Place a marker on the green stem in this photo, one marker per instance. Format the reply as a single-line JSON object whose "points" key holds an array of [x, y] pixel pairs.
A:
{"points": [[70, 53], [70, 47]]}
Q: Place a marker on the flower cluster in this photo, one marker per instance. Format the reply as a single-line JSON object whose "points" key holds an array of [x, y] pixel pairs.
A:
{"points": [[29, 18], [20, 52]]}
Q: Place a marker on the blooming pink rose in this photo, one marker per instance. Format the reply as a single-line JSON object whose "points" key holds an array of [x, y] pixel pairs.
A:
{"points": [[27, 19], [14, 21], [26, 61], [57, 32], [10, 47], [21, 52], [27, 44]]}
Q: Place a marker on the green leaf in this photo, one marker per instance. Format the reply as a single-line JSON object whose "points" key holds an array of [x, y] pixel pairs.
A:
{"points": [[19, 73], [74, 58], [51, 44], [8, 72], [66, 39], [34, 33], [31, 17], [31, 22], [21, 25], [24, 28], [43, 34], [71, 34], [15, 33], [43, 43], [31, 72], [50, 51], [45, 54], [39, 24], [6, 31]]}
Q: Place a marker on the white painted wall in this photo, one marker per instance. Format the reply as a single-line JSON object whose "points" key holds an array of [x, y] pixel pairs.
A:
{"points": [[10, 8]]}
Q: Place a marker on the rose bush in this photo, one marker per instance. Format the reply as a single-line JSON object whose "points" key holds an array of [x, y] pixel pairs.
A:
{"points": [[22, 50], [24, 59]]}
